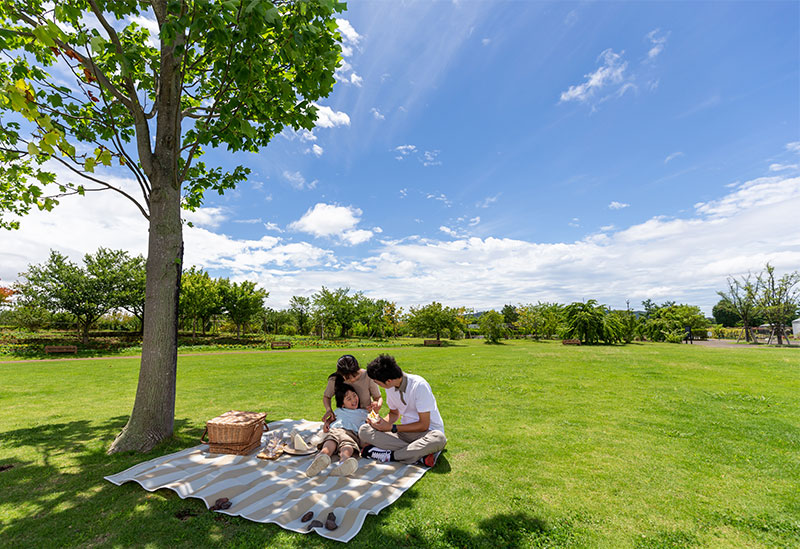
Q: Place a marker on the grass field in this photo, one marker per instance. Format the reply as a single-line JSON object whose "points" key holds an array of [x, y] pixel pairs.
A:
{"points": [[646, 445]]}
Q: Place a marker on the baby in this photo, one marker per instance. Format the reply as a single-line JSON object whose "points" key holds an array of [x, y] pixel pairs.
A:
{"points": [[342, 434]]}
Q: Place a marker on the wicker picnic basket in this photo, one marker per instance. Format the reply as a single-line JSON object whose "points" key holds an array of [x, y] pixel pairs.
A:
{"points": [[235, 432]]}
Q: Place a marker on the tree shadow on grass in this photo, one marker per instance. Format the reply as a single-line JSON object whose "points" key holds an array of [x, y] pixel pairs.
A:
{"points": [[507, 530], [55, 494]]}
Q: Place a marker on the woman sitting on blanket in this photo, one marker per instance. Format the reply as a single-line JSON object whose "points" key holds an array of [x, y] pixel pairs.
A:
{"points": [[342, 434], [347, 371]]}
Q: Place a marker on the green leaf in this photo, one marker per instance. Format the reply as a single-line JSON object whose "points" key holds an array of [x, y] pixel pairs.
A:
{"points": [[105, 158], [98, 44], [89, 164], [51, 138], [42, 34], [33, 150]]}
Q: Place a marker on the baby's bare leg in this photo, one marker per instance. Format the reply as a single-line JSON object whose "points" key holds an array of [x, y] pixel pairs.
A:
{"points": [[329, 447]]}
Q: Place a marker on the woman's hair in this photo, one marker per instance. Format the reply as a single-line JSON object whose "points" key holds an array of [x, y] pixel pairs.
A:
{"points": [[346, 366], [340, 391]]}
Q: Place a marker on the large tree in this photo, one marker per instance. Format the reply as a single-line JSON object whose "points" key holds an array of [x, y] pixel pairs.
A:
{"points": [[87, 293], [230, 74], [433, 319], [741, 299], [337, 306], [241, 301], [300, 308], [779, 299], [200, 298]]}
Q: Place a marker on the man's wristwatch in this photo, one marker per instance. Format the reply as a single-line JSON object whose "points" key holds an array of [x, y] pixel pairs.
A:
{"points": [[394, 428]]}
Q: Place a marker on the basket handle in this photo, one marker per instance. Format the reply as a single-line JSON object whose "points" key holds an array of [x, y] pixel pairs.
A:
{"points": [[204, 434]]}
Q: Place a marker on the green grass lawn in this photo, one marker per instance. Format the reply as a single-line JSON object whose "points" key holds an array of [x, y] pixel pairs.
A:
{"points": [[645, 445]]}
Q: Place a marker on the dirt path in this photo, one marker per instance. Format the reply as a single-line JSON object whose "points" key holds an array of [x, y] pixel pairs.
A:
{"points": [[344, 350], [729, 343]]}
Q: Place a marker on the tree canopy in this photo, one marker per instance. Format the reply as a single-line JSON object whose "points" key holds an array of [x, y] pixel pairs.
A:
{"points": [[85, 88]]}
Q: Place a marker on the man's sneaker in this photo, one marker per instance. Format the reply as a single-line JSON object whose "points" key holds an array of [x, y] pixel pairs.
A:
{"points": [[377, 454], [429, 460]]}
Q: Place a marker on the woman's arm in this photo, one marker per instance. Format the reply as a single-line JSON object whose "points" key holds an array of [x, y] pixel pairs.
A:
{"points": [[329, 415]]}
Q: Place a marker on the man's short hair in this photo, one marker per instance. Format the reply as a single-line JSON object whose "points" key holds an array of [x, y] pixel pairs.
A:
{"points": [[384, 368]]}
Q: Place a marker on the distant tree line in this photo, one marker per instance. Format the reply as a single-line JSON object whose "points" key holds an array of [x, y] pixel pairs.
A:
{"points": [[111, 284]]}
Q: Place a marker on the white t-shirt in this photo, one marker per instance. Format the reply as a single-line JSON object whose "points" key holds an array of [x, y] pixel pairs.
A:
{"points": [[418, 398]]}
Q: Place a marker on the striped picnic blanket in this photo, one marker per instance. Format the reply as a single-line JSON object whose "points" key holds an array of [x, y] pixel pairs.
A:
{"points": [[278, 491]]}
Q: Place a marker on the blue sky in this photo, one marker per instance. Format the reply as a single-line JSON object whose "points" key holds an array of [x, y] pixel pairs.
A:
{"points": [[483, 153]]}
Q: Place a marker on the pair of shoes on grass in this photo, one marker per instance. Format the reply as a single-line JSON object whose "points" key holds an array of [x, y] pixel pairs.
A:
{"points": [[321, 462]]}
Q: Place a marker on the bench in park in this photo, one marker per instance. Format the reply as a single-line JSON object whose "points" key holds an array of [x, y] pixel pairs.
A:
{"points": [[432, 343], [60, 349], [570, 341], [281, 345]]}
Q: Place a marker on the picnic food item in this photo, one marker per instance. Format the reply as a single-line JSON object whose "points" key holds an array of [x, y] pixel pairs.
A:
{"points": [[235, 432], [314, 524], [300, 444], [373, 416], [308, 516], [274, 448]]}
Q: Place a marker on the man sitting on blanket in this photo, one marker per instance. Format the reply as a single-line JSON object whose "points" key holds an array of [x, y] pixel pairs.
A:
{"points": [[420, 437]]}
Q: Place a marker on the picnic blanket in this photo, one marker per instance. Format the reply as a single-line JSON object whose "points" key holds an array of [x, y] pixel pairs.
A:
{"points": [[278, 491]]}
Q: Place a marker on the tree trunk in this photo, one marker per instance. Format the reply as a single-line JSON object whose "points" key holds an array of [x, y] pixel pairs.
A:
{"points": [[154, 408], [85, 332]]}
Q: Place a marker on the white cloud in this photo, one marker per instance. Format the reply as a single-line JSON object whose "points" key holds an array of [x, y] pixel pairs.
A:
{"points": [[316, 150], [747, 225], [405, 150], [297, 180], [270, 226], [474, 221], [447, 230], [486, 41], [329, 220], [357, 236], [349, 34], [429, 158], [441, 197], [377, 114], [794, 146], [617, 205], [782, 167], [610, 73], [672, 156], [657, 40], [210, 218], [403, 193], [758, 192], [488, 201], [356, 80], [328, 118]]}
